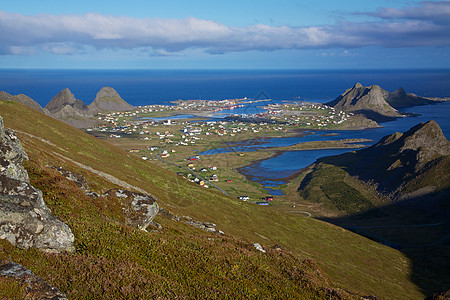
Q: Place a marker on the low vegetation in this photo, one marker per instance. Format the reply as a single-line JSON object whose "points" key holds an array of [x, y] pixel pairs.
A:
{"points": [[317, 259]]}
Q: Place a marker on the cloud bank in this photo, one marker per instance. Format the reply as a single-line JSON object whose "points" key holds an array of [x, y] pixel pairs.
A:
{"points": [[424, 25]]}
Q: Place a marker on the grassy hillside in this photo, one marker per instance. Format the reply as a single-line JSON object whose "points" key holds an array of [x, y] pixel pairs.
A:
{"points": [[110, 254]]}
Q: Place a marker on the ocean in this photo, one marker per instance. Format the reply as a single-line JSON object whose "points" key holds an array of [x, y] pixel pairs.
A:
{"points": [[143, 87]]}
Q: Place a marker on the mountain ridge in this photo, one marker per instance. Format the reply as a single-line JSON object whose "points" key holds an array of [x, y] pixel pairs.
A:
{"points": [[369, 101], [24, 99], [376, 103]]}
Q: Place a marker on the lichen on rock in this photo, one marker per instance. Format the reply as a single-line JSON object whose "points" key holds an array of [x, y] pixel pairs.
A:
{"points": [[25, 220], [35, 287], [139, 209]]}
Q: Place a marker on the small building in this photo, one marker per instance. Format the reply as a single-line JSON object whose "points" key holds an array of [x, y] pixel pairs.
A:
{"points": [[263, 203]]}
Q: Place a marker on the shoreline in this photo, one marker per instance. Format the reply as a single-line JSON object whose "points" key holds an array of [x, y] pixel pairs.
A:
{"points": [[277, 151]]}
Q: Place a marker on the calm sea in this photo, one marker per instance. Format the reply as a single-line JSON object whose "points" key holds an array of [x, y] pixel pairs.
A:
{"points": [[141, 87]]}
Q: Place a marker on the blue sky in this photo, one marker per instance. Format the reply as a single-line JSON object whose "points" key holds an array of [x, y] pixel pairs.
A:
{"points": [[264, 34]]}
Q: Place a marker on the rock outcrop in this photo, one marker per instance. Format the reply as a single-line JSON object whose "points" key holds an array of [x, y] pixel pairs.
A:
{"points": [[368, 101], [139, 209], [77, 178], [107, 99], [25, 220], [35, 287], [207, 226], [11, 155], [25, 100]]}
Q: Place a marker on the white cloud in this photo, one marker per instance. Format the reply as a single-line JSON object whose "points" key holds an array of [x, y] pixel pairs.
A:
{"points": [[425, 25]]}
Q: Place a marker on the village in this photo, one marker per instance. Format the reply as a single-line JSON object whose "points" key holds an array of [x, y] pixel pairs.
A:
{"points": [[154, 133]]}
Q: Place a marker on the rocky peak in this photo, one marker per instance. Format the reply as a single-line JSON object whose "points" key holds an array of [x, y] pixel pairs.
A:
{"points": [[107, 92], [107, 99], [58, 102], [25, 219], [427, 141], [424, 136], [400, 92], [414, 148], [357, 85], [399, 99], [368, 101]]}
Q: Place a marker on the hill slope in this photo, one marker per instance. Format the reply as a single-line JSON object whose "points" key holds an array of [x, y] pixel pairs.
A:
{"points": [[396, 192], [226, 265], [402, 165], [24, 99]]}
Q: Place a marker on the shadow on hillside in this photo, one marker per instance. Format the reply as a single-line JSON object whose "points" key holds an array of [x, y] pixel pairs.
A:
{"points": [[419, 228], [375, 116]]}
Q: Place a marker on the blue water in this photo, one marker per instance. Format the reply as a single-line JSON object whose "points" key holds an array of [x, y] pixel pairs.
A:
{"points": [[175, 117], [272, 172], [439, 112], [142, 87], [275, 171]]}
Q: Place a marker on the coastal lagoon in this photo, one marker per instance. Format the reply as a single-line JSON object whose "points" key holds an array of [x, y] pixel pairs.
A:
{"points": [[279, 169]]}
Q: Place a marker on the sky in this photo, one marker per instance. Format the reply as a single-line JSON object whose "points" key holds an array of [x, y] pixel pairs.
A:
{"points": [[245, 34]]}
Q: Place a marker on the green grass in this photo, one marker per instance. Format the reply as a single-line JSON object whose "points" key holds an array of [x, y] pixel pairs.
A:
{"points": [[333, 187], [345, 197], [11, 289], [103, 243]]}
